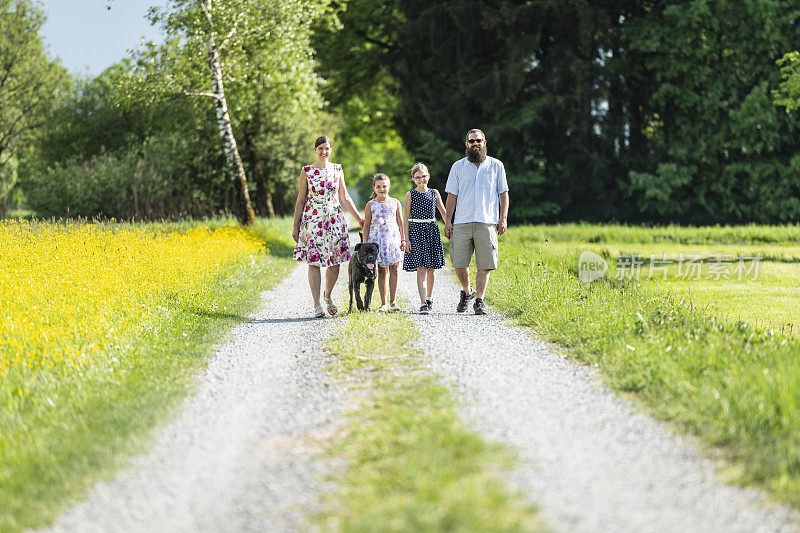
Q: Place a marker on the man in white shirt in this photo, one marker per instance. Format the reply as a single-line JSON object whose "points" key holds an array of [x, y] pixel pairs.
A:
{"points": [[477, 195]]}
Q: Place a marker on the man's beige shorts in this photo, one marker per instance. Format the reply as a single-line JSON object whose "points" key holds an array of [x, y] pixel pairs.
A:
{"points": [[474, 237]]}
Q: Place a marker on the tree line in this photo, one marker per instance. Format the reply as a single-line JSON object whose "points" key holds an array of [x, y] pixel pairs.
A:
{"points": [[215, 119], [637, 111], [646, 111]]}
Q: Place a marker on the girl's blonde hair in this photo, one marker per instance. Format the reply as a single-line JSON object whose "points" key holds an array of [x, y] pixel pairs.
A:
{"points": [[417, 167], [378, 177]]}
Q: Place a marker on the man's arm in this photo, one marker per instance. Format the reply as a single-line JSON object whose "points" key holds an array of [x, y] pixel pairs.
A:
{"points": [[502, 224], [450, 209], [451, 188]]}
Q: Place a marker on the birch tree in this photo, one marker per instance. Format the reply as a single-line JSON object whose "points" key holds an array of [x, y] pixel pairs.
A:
{"points": [[207, 50]]}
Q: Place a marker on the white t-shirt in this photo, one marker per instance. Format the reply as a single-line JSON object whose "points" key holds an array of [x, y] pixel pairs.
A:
{"points": [[478, 189]]}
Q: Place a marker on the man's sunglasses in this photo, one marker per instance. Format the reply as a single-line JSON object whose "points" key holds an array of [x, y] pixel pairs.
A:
{"points": [[473, 141]]}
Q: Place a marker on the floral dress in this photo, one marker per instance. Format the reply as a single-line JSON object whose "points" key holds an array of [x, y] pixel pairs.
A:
{"points": [[384, 230], [323, 237]]}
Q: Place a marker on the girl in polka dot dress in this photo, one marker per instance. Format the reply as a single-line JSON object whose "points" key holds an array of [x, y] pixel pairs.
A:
{"points": [[424, 251]]}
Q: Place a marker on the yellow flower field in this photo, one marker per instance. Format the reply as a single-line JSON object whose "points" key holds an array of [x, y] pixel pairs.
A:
{"points": [[102, 329], [69, 293]]}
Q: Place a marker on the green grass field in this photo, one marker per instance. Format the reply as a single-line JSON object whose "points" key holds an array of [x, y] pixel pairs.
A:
{"points": [[702, 269], [720, 358], [64, 429], [717, 356]]}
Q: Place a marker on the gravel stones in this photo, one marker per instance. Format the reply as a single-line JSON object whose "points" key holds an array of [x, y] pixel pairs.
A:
{"points": [[241, 454], [589, 459]]}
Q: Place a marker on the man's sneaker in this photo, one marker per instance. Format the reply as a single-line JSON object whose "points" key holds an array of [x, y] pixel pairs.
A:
{"points": [[429, 303], [424, 309], [479, 306], [462, 304]]}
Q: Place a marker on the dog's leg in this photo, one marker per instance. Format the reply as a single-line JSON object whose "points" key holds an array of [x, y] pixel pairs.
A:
{"points": [[350, 286], [359, 303], [368, 294]]}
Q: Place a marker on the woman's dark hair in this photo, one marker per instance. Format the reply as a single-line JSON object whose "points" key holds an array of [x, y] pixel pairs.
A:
{"points": [[322, 139]]}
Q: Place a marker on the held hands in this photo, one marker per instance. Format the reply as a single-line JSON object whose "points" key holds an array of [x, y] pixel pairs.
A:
{"points": [[405, 246], [502, 226], [448, 230]]}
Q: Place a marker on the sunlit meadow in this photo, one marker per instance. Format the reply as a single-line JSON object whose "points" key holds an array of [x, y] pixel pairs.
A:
{"points": [[714, 350], [102, 326], [70, 292]]}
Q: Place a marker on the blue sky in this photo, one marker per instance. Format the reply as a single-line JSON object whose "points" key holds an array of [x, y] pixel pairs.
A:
{"points": [[88, 37]]}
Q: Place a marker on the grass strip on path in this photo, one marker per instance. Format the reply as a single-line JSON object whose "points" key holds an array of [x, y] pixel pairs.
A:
{"points": [[67, 426], [734, 385], [412, 465]]}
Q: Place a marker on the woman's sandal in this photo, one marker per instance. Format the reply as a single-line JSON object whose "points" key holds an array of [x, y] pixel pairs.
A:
{"points": [[332, 309], [319, 312]]}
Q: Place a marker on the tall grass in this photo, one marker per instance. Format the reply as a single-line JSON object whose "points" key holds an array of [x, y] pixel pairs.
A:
{"points": [[126, 314], [615, 233], [733, 384]]}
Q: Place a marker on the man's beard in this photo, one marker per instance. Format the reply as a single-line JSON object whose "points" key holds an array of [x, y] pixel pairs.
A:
{"points": [[476, 154]]}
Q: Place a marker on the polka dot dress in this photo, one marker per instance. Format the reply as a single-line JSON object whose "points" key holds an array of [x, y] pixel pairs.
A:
{"points": [[426, 243]]}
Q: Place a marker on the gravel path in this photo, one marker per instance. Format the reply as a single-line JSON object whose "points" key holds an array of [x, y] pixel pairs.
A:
{"points": [[590, 461], [240, 456]]}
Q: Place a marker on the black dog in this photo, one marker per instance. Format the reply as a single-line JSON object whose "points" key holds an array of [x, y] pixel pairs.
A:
{"points": [[362, 270]]}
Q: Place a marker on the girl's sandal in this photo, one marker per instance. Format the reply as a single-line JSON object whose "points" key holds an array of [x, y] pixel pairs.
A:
{"points": [[332, 309], [319, 312]]}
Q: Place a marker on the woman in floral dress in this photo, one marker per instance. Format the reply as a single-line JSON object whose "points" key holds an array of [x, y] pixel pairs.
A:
{"points": [[320, 229]]}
